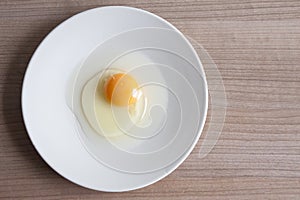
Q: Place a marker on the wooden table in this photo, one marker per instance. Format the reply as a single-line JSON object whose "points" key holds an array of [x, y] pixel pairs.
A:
{"points": [[256, 45]]}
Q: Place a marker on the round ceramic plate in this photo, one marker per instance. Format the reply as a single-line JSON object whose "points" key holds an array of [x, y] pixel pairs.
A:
{"points": [[48, 118]]}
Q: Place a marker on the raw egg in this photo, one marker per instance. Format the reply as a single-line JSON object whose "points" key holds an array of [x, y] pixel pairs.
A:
{"points": [[119, 100]]}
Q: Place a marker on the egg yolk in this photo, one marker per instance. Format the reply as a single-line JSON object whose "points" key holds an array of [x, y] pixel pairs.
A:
{"points": [[120, 89]]}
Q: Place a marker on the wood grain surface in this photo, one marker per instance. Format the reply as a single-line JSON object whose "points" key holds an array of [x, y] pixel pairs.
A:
{"points": [[256, 45]]}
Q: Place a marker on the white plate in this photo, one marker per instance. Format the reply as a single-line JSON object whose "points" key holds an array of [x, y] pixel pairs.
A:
{"points": [[48, 119]]}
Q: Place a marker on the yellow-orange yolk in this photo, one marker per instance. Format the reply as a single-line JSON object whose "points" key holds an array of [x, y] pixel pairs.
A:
{"points": [[120, 89]]}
